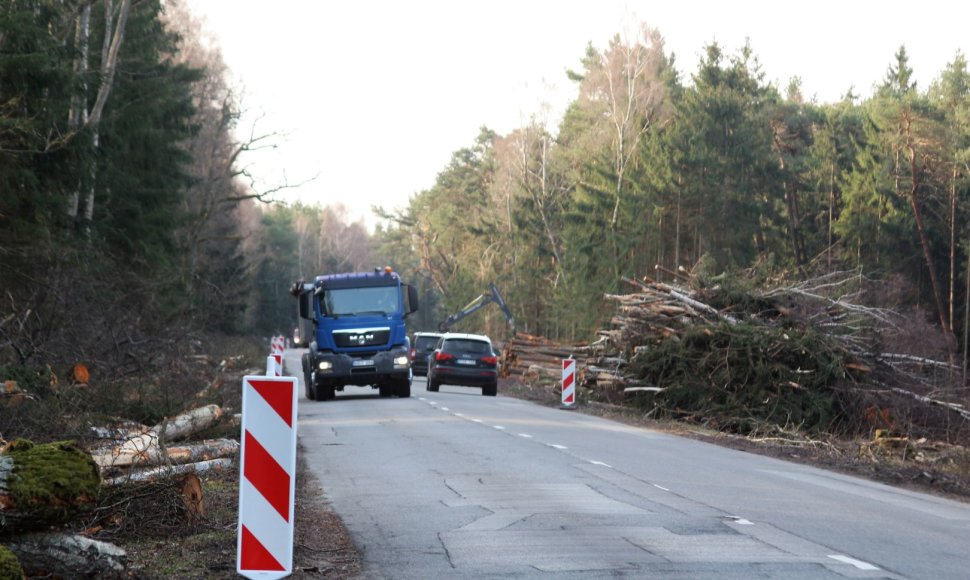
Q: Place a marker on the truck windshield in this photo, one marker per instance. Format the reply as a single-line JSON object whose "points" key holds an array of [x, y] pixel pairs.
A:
{"points": [[350, 301]]}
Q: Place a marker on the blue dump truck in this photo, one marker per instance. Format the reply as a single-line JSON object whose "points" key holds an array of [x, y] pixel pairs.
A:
{"points": [[353, 326]]}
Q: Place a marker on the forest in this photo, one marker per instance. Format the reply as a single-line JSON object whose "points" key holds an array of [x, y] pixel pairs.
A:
{"points": [[754, 261], [129, 226]]}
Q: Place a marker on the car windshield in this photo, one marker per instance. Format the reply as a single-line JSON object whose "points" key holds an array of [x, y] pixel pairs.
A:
{"points": [[467, 345], [371, 300], [425, 343]]}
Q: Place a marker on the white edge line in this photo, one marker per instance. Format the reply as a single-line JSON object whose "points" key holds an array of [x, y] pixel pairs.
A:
{"points": [[857, 563]]}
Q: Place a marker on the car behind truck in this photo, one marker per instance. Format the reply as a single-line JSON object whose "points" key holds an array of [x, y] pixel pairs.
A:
{"points": [[357, 336]]}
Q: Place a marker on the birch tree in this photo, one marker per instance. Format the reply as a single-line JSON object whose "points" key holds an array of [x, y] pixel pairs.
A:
{"points": [[114, 35]]}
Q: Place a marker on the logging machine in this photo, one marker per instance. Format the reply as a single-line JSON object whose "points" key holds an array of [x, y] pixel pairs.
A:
{"points": [[490, 296], [353, 326]]}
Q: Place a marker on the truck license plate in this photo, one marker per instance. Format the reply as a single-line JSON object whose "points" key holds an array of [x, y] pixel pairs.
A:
{"points": [[363, 363]]}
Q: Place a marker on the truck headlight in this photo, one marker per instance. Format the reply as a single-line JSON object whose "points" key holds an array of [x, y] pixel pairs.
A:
{"points": [[401, 361], [325, 365]]}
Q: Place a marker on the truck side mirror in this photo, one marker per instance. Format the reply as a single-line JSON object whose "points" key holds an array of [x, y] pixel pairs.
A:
{"points": [[412, 299], [304, 299]]}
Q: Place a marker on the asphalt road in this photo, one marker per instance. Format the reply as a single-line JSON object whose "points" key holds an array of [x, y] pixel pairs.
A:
{"points": [[457, 485]]}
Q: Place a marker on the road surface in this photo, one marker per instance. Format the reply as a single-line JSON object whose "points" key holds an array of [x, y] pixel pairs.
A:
{"points": [[457, 485]]}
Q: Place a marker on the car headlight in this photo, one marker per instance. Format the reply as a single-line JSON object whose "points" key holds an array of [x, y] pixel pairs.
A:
{"points": [[401, 361], [325, 365]]}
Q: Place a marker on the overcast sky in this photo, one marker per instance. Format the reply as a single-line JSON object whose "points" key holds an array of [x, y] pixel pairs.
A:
{"points": [[374, 96]]}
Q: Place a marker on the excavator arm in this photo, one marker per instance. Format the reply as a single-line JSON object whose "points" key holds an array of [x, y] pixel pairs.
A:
{"points": [[486, 298]]}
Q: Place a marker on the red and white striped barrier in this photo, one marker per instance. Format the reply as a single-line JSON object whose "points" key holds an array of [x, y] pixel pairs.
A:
{"points": [[276, 352], [568, 382], [267, 477]]}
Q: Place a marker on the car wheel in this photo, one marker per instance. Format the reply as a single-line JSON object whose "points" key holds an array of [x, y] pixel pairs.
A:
{"points": [[433, 385], [490, 390], [385, 390]]}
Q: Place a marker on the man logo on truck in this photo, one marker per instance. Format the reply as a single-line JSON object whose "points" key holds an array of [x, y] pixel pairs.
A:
{"points": [[361, 339]]}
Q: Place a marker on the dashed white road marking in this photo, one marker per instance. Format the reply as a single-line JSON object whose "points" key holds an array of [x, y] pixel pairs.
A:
{"points": [[444, 408], [660, 487], [559, 447], [857, 563], [477, 420], [741, 521], [459, 414], [499, 427], [601, 463], [525, 435]]}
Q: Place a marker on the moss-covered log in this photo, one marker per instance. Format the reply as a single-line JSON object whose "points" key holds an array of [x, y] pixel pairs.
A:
{"points": [[45, 484], [10, 568]]}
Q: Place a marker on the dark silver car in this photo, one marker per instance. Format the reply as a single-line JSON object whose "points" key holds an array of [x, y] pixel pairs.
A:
{"points": [[465, 360], [422, 345]]}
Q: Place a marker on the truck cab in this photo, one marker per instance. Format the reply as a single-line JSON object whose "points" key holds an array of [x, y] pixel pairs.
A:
{"points": [[358, 332]]}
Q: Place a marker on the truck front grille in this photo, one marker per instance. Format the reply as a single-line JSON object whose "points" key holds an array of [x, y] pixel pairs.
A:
{"points": [[363, 337]]}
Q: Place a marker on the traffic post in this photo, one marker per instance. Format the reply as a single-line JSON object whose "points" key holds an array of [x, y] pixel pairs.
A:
{"points": [[568, 383], [267, 478], [276, 351]]}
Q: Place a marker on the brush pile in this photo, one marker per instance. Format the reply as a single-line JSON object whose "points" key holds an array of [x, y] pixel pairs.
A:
{"points": [[801, 358]]}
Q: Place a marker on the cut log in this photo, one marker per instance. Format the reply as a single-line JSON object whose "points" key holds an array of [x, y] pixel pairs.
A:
{"points": [[156, 473], [41, 485], [52, 555], [189, 423], [138, 448], [191, 453]]}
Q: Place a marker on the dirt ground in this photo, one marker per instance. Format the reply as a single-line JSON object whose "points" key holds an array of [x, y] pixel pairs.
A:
{"points": [[323, 548], [207, 549]]}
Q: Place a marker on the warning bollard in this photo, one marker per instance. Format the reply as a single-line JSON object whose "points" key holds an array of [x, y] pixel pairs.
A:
{"points": [[276, 353], [568, 383], [267, 477]]}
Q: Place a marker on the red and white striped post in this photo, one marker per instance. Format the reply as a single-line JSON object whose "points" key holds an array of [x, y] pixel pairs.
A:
{"points": [[267, 477], [276, 352], [568, 382]]}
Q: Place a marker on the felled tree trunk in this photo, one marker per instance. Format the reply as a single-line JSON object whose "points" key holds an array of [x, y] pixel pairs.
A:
{"points": [[140, 448], [68, 556], [45, 484]]}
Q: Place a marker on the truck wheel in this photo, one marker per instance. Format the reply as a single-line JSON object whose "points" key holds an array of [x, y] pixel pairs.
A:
{"points": [[311, 391], [308, 378], [403, 389], [326, 392], [490, 390]]}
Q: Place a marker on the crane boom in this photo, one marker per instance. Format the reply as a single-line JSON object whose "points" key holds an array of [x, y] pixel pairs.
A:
{"points": [[486, 298]]}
